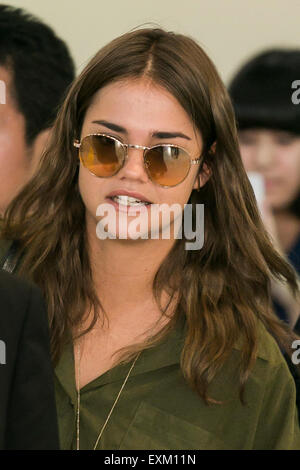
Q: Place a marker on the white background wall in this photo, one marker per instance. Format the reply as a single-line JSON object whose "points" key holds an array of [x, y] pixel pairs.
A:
{"points": [[229, 30]]}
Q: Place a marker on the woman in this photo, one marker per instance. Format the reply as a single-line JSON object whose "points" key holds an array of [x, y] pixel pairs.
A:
{"points": [[269, 136], [155, 346]]}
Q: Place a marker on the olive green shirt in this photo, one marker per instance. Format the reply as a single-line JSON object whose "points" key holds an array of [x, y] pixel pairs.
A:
{"points": [[158, 410]]}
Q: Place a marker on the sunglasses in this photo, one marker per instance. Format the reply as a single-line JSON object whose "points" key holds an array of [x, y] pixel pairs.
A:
{"points": [[166, 165]]}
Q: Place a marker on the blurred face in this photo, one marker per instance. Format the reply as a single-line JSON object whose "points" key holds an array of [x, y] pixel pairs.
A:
{"points": [[276, 155], [141, 113], [17, 160]]}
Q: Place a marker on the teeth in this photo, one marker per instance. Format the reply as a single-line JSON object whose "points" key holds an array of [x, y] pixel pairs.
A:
{"points": [[128, 201]]}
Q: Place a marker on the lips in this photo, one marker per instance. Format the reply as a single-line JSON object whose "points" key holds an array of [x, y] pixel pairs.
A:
{"points": [[129, 202], [123, 192]]}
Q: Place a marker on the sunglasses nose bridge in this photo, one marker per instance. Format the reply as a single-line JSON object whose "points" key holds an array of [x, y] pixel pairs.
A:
{"points": [[135, 147], [135, 163]]}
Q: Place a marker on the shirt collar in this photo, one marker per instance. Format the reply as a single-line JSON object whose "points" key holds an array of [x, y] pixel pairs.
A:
{"points": [[163, 354]]}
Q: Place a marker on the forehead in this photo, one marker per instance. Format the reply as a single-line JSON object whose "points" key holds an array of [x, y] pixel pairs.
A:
{"points": [[138, 103]]}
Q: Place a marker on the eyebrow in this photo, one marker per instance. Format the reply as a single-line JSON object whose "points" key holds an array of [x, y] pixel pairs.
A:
{"points": [[156, 134]]}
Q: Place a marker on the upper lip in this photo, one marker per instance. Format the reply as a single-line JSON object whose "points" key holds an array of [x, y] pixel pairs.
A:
{"points": [[124, 192]]}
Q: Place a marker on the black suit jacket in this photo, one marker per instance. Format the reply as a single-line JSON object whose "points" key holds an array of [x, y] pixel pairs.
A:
{"points": [[27, 405]]}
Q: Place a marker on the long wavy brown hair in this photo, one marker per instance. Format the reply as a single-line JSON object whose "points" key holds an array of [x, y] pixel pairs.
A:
{"points": [[224, 288]]}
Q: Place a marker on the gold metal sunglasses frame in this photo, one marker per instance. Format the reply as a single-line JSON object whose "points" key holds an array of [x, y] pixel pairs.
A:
{"points": [[194, 161]]}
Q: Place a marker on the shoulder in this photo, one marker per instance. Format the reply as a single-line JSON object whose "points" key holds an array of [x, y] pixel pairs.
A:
{"points": [[270, 383], [20, 301], [268, 350], [12, 288]]}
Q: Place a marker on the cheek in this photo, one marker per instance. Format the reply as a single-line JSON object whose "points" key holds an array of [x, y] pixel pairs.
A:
{"points": [[287, 183], [290, 172], [13, 157], [14, 165], [12, 144], [289, 167], [179, 194], [248, 159], [89, 191]]}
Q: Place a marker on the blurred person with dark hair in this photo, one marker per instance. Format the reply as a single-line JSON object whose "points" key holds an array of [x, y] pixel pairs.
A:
{"points": [[27, 406], [36, 68], [269, 135]]}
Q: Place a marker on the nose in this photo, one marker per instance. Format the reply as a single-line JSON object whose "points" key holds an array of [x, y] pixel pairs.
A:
{"points": [[134, 167]]}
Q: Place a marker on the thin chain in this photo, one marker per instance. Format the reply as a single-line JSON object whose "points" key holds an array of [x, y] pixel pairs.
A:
{"points": [[112, 408], [78, 398]]}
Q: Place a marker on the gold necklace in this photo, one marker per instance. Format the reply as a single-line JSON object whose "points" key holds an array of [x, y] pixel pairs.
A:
{"points": [[111, 410]]}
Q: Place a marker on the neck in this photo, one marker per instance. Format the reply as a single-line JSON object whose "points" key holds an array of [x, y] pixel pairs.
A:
{"points": [[288, 228], [123, 272]]}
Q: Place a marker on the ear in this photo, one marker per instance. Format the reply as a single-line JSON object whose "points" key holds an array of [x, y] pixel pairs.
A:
{"points": [[202, 177]]}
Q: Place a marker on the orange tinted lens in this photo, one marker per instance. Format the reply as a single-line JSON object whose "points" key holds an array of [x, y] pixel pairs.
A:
{"points": [[167, 165], [102, 155]]}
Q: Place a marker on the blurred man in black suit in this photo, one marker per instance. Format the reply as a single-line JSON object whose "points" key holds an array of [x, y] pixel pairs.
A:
{"points": [[27, 405]]}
